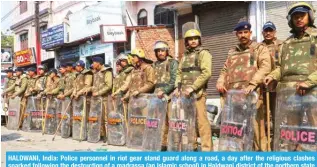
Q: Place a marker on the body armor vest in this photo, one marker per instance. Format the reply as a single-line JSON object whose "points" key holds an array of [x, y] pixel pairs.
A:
{"points": [[190, 68], [299, 59], [241, 68], [138, 77], [99, 79], [162, 73]]}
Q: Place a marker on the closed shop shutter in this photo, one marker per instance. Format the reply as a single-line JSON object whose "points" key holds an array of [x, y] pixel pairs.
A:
{"points": [[217, 21], [276, 11], [182, 20]]}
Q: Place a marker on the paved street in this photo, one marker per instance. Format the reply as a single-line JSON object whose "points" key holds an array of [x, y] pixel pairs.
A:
{"points": [[12, 140]]}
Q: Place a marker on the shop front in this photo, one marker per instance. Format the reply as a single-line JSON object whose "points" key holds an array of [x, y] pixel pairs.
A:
{"points": [[96, 48], [25, 58], [68, 54]]}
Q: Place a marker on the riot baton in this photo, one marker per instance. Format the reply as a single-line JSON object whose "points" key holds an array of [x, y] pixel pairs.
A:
{"points": [[44, 120], [22, 115], [60, 122], [6, 108], [268, 118]]}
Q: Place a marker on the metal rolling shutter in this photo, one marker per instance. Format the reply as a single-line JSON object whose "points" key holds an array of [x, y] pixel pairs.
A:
{"points": [[276, 11], [216, 21], [182, 20]]}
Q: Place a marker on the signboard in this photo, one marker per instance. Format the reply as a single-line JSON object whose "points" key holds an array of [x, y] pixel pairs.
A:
{"points": [[69, 53], [86, 22], [113, 33], [54, 36], [24, 57], [6, 55], [95, 48]]}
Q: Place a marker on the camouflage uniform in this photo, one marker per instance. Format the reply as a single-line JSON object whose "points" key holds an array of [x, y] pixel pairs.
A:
{"points": [[102, 85], [298, 63], [194, 71], [122, 80], [245, 67], [142, 80], [165, 77]]}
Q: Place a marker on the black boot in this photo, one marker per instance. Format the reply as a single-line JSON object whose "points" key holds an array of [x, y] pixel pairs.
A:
{"points": [[164, 148]]}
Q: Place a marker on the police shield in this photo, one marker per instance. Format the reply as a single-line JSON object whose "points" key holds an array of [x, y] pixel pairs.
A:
{"points": [[59, 110], [155, 120], [37, 114], [80, 110], [116, 121], [14, 113], [66, 118], [27, 117], [182, 124], [295, 121], [50, 116], [236, 129], [189, 26], [94, 119], [137, 109]]}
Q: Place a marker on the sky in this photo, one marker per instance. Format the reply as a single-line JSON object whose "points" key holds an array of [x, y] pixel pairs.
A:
{"points": [[6, 7]]}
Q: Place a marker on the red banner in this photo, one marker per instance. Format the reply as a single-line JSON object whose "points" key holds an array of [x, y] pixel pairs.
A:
{"points": [[24, 57]]}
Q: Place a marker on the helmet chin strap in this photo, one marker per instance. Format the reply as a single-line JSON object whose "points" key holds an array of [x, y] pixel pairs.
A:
{"points": [[300, 30]]}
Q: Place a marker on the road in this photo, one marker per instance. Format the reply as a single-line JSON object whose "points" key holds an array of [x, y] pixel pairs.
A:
{"points": [[12, 140]]}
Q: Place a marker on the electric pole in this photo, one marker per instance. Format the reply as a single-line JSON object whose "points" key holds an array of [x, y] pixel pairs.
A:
{"points": [[38, 35]]}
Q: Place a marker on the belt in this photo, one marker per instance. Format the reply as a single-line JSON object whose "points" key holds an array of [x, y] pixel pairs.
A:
{"points": [[188, 69], [159, 85]]}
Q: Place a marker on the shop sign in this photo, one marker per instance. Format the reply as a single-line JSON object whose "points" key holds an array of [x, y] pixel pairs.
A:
{"points": [[24, 57]]}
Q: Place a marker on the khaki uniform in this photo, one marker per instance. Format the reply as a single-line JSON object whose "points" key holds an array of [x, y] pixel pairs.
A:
{"points": [[245, 67], [54, 86], [19, 89], [273, 48], [102, 85], [298, 63], [10, 85], [29, 91], [194, 71], [165, 77]]}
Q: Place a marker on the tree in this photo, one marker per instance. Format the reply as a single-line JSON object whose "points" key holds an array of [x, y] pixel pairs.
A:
{"points": [[6, 40]]}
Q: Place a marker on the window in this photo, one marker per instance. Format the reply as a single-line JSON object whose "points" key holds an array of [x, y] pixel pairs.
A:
{"points": [[163, 16], [123, 47], [142, 17], [24, 41], [23, 6], [42, 28]]}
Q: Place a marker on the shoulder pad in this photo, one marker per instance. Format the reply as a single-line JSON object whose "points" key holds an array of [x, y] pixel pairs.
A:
{"points": [[106, 69], [86, 71], [128, 70], [312, 31]]}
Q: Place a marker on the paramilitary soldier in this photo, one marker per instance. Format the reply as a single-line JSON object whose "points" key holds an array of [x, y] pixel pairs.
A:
{"points": [[122, 81], [142, 81], [42, 81], [142, 76], [273, 44], [193, 73], [32, 77], [83, 83], [298, 63], [102, 86], [165, 69], [256, 65], [9, 85], [19, 89]]}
